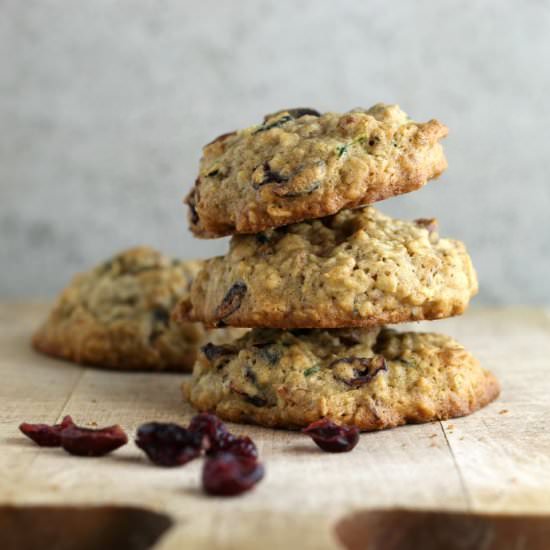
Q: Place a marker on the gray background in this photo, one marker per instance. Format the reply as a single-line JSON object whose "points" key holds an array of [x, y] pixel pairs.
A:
{"points": [[104, 107]]}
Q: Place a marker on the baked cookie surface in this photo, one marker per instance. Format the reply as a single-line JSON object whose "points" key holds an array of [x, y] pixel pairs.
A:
{"points": [[118, 315], [370, 378], [357, 268], [300, 164]]}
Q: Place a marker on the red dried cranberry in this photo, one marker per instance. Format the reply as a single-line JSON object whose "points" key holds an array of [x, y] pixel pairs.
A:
{"points": [[364, 369], [232, 300], [431, 224], [226, 474], [303, 111], [168, 444], [217, 438], [89, 442], [211, 429], [213, 352], [331, 437], [238, 446], [44, 434]]}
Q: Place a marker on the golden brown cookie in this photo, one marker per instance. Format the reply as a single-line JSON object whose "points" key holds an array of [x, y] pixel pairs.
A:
{"points": [[372, 379], [357, 268], [300, 164], [118, 315]]}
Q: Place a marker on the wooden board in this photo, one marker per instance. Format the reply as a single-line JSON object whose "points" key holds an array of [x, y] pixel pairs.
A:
{"points": [[497, 460]]}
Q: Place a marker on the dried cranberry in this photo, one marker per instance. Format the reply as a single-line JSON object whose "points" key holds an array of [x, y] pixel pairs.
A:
{"points": [[303, 111], [89, 442], [217, 438], [275, 124], [226, 474], [295, 113], [430, 224], [44, 434], [213, 352], [232, 300], [270, 176], [238, 446], [331, 437], [191, 201], [364, 369], [168, 444], [210, 428], [256, 400]]}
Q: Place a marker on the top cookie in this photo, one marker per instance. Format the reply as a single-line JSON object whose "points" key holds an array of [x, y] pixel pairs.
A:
{"points": [[118, 315], [300, 164]]}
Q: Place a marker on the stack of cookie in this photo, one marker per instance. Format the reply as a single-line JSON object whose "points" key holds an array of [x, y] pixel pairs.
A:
{"points": [[318, 274]]}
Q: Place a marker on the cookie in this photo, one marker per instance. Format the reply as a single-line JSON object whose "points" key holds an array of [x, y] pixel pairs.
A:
{"points": [[118, 315], [300, 164], [357, 268], [369, 378]]}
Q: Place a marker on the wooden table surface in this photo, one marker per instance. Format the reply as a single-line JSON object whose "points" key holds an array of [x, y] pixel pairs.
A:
{"points": [[497, 460]]}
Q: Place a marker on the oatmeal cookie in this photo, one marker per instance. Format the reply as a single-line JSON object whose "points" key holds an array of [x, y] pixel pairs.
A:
{"points": [[357, 268], [369, 378], [300, 164], [118, 315]]}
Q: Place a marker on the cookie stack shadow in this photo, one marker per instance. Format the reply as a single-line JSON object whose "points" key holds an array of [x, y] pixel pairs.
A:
{"points": [[317, 274]]}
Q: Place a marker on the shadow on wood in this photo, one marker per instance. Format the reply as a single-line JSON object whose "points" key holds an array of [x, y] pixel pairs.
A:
{"points": [[411, 530], [80, 528]]}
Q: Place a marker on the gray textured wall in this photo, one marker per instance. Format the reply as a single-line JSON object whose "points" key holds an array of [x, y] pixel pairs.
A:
{"points": [[104, 106]]}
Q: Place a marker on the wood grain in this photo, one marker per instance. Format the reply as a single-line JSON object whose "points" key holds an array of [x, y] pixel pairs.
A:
{"points": [[497, 460]]}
